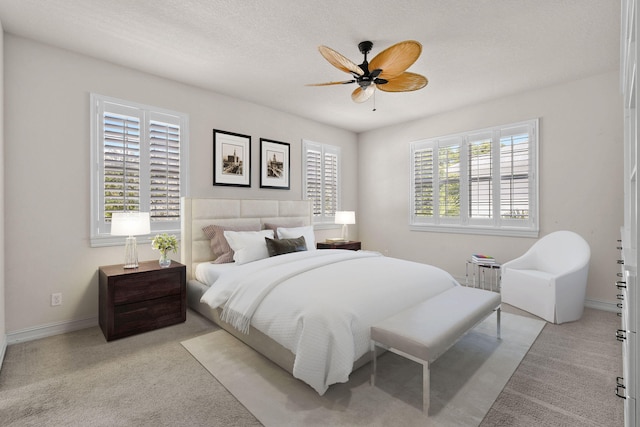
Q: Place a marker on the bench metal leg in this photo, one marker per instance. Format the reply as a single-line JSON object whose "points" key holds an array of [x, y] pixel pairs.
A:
{"points": [[426, 388], [498, 311], [426, 382]]}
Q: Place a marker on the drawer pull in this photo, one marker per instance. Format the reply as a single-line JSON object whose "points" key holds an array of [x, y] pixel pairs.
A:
{"points": [[620, 297], [620, 335], [620, 261], [619, 274], [621, 285], [619, 386], [619, 305]]}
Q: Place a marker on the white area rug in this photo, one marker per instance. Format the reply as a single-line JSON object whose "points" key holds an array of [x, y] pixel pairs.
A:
{"points": [[465, 381]]}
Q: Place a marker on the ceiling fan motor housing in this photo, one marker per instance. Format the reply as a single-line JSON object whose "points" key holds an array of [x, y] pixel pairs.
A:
{"points": [[365, 47], [365, 80]]}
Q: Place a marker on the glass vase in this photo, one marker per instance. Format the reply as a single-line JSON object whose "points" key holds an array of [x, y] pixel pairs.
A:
{"points": [[165, 261]]}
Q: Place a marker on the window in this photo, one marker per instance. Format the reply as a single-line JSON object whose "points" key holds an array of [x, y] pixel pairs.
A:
{"points": [[138, 164], [321, 175], [483, 181]]}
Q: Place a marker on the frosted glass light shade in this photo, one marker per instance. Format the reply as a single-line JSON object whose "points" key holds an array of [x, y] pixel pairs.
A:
{"points": [[130, 224]]}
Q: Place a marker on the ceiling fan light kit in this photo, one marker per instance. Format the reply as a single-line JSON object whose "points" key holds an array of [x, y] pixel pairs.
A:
{"points": [[386, 71]]}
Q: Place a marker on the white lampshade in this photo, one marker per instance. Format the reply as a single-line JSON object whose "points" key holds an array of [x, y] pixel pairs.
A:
{"points": [[130, 223], [345, 217]]}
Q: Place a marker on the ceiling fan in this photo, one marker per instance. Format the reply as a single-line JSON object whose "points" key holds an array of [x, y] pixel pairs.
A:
{"points": [[386, 71]]}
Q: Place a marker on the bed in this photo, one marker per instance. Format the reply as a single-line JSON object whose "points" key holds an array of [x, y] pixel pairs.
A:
{"points": [[308, 311]]}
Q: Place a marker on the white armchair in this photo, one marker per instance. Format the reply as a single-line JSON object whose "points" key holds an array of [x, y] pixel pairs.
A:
{"points": [[550, 279]]}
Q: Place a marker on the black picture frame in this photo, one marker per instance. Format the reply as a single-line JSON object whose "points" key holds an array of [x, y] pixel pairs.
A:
{"points": [[275, 164], [231, 159]]}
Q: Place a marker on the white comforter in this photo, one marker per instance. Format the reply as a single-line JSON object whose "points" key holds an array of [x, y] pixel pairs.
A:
{"points": [[321, 304]]}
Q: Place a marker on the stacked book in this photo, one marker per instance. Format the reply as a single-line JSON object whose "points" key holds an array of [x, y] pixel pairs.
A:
{"points": [[482, 259]]}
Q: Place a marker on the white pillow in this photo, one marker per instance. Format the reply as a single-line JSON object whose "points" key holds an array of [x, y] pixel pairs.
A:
{"points": [[248, 245], [295, 232], [208, 272]]}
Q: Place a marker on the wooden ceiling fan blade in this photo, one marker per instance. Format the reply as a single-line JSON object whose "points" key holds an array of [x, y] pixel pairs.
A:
{"points": [[331, 83], [361, 95], [339, 61], [405, 82], [396, 59]]}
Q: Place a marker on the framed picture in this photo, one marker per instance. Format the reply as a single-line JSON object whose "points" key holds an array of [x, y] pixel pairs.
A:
{"points": [[274, 164], [231, 159]]}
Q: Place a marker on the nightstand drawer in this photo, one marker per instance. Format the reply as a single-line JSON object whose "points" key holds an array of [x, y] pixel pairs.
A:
{"points": [[142, 316], [133, 289]]}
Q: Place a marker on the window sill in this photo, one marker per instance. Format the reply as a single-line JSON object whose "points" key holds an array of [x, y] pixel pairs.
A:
{"points": [[491, 231], [108, 240]]}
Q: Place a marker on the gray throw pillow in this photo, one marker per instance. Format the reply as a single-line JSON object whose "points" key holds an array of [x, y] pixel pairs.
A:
{"points": [[285, 246]]}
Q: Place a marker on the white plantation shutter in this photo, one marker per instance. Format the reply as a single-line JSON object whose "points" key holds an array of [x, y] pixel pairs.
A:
{"points": [[313, 180], [121, 151], [449, 181], [330, 196], [423, 203], [514, 176], [164, 162], [485, 181], [138, 165], [480, 154], [321, 175]]}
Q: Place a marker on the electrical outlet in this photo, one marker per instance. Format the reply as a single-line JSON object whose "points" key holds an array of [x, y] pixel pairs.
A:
{"points": [[56, 299]]}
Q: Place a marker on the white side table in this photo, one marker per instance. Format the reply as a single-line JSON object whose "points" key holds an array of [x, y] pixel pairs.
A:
{"points": [[483, 276]]}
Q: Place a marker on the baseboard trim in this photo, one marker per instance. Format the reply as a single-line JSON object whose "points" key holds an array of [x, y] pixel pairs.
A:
{"points": [[602, 305], [50, 329], [3, 350]]}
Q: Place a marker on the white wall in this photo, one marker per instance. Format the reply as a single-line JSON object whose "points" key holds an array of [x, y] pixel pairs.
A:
{"points": [[47, 170], [580, 178]]}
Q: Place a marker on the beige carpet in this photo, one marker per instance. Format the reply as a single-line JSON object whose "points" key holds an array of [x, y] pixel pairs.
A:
{"points": [[78, 379], [566, 379], [465, 381]]}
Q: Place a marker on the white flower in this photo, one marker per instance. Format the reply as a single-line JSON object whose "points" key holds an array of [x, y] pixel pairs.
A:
{"points": [[164, 243]]}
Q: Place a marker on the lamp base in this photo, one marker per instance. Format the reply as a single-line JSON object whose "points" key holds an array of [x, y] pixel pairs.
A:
{"points": [[130, 253], [345, 233]]}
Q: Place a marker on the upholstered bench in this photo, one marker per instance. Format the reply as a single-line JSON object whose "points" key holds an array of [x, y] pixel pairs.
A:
{"points": [[425, 331]]}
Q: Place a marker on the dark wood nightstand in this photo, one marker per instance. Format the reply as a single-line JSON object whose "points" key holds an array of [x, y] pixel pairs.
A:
{"points": [[350, 245], [135, 300]]}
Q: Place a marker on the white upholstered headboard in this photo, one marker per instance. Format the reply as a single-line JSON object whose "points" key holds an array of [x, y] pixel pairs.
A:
{"points": [[197, 213]]}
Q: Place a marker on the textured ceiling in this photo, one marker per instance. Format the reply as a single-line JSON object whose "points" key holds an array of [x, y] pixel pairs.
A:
{"points": [[266, 51]]}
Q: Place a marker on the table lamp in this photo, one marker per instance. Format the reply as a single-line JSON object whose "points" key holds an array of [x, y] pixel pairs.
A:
{"points": [[130, 224], [344, 218]]}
